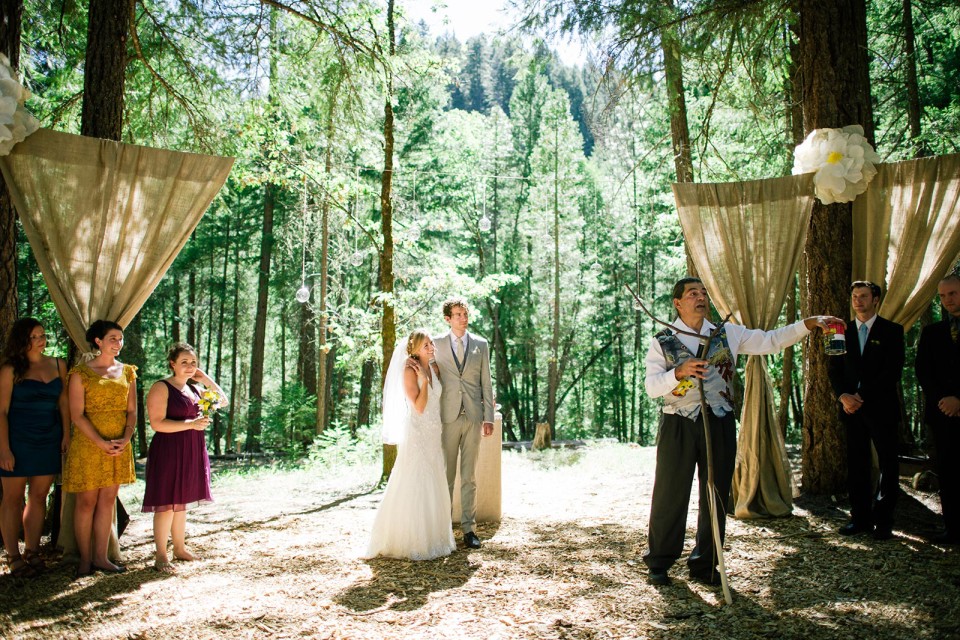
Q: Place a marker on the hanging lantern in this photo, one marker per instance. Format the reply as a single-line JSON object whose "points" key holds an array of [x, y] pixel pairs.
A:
{"points": [[357, 258], [485, 223], [414, 234], [303, 294]]}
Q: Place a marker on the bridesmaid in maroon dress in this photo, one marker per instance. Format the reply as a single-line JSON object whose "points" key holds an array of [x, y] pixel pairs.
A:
{"points": [[178, 469]]}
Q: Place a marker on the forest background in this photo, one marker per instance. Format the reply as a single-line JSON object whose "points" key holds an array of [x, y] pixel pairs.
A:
{"points": [[381, 168]]}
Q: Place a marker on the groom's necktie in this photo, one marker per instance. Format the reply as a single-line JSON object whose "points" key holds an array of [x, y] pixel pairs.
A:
{"points": [[460, 353]]}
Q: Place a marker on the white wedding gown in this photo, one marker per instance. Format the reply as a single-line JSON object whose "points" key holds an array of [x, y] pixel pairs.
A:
{"points": [[413, 520]]}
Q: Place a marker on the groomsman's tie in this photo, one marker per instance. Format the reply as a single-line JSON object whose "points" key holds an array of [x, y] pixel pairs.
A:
{"points": [[864, 329], [955, 330], [460, 351]]}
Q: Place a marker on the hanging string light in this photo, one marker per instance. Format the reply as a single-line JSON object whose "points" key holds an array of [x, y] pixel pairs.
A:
{"points": [[484, 223]]}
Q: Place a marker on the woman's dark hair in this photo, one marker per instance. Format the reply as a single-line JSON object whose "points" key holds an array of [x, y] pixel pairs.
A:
{"points": [[17, 345], [99, 329], [177, 349]]}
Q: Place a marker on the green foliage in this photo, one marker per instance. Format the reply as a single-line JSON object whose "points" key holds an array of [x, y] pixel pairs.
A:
{"points": [[337, 448], [290, 422]]}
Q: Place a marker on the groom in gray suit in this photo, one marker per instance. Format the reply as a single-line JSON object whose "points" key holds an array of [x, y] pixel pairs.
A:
{"points": [[466, 407]]}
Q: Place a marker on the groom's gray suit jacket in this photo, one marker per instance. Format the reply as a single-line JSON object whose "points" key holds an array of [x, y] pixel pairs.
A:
{"points": [[470, 389]]}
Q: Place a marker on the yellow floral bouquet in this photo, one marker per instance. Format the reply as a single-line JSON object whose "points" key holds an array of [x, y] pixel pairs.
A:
{"points": [[209, 402]]}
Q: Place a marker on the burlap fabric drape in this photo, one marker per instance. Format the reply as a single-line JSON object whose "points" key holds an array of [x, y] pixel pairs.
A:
{"points": [[105, 221], [746, 239], [906, 232]]}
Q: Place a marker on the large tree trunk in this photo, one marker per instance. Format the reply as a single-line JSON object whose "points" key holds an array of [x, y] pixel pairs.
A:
{"points": [[255, 408], [105, 68], [11, 18], [388, 330], [836, 93], [676, 103]]}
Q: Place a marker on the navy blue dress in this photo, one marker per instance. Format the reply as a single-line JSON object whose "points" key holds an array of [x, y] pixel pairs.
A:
{"points": [[36, 428]]}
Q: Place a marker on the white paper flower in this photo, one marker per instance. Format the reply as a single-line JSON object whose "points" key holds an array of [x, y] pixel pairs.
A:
{"points": [[842, 159], [16, 123]]}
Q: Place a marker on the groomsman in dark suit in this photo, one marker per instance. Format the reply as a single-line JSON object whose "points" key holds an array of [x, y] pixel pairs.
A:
{"points": [[866, 381], [938, 371]]}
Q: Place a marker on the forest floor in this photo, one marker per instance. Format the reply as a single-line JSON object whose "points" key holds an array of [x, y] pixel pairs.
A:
{"points": [[281, 560]]}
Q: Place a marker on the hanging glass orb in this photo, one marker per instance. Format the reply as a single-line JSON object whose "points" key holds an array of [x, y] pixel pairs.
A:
{"points": [[303, 294], [357, 258], [414, 234], [637, 306], [485, 223], [596, 268]]}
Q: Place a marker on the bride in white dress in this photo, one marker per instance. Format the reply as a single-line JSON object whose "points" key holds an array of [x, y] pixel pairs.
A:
{"points": [[413, 520]]}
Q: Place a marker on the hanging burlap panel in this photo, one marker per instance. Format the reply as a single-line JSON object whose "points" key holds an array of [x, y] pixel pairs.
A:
{"points": [[906, 234], [746, 239], [105, 220]]}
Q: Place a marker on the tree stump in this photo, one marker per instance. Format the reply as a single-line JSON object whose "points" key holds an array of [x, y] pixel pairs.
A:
{"points": [[542, 439]]}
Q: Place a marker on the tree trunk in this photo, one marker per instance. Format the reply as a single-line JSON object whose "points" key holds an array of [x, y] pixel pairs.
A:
{"points": [[307, 347], [366, 392], [553, 378], [914, 111], [105, 68], [388, 330], [786, 381], [11, 20], [192, 331], [255, 408], [676, 103], [175, 320], [323, 380], [217, 418], [836, 83], [234, 356]]}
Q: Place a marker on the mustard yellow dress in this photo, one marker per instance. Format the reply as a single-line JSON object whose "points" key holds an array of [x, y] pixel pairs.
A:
{"points": [[105, 404]]}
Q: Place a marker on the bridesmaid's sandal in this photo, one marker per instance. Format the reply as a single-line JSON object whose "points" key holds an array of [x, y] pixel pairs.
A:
{"points": [[20, 568], [33, 558]]}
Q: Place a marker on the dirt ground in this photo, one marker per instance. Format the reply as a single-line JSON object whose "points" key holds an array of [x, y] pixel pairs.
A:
{"points": [[281, 560]]}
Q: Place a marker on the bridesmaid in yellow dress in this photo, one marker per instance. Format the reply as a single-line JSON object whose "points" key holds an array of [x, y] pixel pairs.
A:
{"points": [[103, 407]]}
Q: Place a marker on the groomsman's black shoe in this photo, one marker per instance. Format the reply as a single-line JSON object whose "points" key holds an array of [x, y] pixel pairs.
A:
{"points": [[658, 577], [852, 529], [882, 533], [706, 577], [471, 540]]}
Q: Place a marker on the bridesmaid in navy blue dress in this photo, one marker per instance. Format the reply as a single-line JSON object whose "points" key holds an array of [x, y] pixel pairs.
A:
{"points": [[34, 433], [178, 469]]}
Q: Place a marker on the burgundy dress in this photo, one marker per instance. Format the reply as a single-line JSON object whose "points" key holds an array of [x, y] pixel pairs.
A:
{"points": [[178, 469]]}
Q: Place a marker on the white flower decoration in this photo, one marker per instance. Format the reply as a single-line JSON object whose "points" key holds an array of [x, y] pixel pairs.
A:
{"points": [[842, 159], [16, 123]]}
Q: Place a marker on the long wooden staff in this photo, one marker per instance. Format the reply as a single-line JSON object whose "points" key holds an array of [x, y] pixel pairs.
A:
{"points": [[705, 412]]}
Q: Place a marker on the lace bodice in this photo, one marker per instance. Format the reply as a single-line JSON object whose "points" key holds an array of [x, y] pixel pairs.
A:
{"points": [[424, 428]]}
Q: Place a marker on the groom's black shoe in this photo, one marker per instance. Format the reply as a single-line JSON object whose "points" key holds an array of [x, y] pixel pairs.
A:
{"points": [[658, 577], [471, 540], [706, 576]]}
